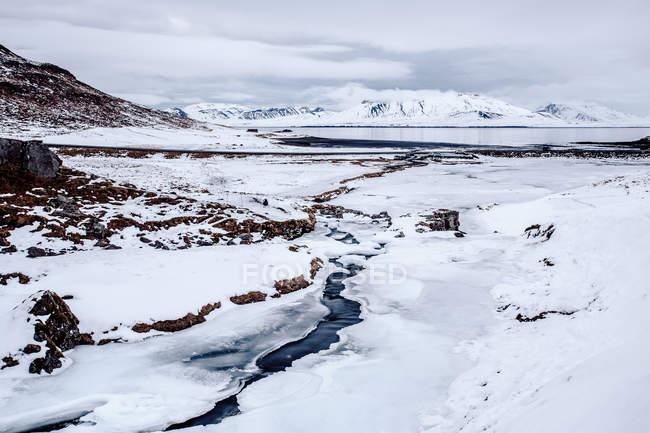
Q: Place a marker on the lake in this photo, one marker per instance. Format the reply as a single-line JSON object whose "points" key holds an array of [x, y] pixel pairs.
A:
{"points": [[479, 136]]}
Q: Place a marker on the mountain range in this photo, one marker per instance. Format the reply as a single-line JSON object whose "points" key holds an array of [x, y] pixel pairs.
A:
{"points": [[442, 109]]}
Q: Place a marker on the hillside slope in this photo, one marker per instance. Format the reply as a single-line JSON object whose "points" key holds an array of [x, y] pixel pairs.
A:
{"points": [[41, 96]]}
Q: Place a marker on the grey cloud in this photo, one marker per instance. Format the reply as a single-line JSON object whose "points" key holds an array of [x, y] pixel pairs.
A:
{"points": [[274, 52]]}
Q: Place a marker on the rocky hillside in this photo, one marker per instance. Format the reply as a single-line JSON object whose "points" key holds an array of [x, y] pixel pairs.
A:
{"points": [[41, 96]]}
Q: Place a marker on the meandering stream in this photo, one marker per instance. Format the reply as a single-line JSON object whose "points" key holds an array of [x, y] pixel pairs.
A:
{"points": [[343, 313]]}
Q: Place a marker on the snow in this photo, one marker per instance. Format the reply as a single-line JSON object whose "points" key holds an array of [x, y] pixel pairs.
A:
{"points": [[212, 138], [439, 348], [403, 109]]}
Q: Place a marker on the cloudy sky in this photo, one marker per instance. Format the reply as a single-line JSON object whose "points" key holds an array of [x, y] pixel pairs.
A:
{"points": [[171, 52]]}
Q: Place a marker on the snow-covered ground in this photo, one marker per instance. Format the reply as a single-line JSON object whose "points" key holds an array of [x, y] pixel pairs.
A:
{"points": [[440, 347]]}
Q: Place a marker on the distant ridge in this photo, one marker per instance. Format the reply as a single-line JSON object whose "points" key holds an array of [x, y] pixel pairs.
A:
{"points": [[437, 109]]}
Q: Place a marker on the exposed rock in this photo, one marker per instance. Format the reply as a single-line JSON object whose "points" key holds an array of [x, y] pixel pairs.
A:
{"points": [[60, 326], [440, 220], [51, 362], [66, 207], [31, 348], [542, 315], [94, 229], [35, 252], [104, 341], [248, 298], [539, 231], [32, 156], [291, 285], [9, 362], [547, 262]]}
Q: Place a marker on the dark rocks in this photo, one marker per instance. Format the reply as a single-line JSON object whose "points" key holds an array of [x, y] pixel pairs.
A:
{"points": [[159, 246], [9, 362], [34, 252], [439, 220], [542, 315], [65, 207], [32, 156], [94, 229], [145, 240], [248, 298], [252, 130], [51, 362], [31, 348], [61, 327], [246, 238], [105, 341], [538, 231]]}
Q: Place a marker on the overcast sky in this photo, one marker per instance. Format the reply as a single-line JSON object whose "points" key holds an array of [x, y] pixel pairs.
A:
{"points": [[173, 52]]}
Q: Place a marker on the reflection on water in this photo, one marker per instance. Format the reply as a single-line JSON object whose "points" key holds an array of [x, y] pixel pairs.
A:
{"points": [[482, 136]]}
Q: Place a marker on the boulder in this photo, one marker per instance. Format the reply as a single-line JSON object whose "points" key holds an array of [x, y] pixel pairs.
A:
{"points": [[65, 207], [34, 252], [94, 229], [51, 362], [32, 156], [441, 220], [61, 325]]}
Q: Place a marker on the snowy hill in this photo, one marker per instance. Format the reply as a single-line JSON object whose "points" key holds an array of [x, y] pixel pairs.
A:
{"points": [[242, 115], [442, 109], [588, 113]]}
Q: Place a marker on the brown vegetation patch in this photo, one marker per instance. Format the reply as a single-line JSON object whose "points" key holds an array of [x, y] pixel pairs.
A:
{"points": [[248, 298], [329, 195], [291, 285], [187, 321], [22, 278], [315, 266]]}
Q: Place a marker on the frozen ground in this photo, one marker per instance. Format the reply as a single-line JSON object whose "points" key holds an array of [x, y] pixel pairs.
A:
{"points": [[466, 334]]}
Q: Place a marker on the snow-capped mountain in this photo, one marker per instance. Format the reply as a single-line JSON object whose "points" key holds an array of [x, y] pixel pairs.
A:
{"points": [[433, 109], [240, 114], [443, 109], [588, 113]]}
